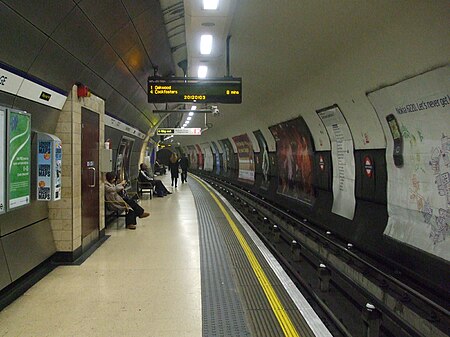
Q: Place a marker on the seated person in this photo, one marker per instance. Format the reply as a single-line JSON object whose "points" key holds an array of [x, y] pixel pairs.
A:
{"points": [[147, 178], [115, 202], [160, 169]]}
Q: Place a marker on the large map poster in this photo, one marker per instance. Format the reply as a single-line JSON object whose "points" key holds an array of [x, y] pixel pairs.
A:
{"points": [[295, 152], [246, 159], [343, 160], [2, 159], [19, 159], [415, 115]]}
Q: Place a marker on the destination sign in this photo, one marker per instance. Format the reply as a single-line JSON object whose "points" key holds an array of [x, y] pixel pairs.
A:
{"points": [[179, 131], [189, 89]]}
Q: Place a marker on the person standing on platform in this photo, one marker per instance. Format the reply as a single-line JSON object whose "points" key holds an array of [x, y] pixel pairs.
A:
{"points": [[174, 165], [115, 202], [184, 164]]}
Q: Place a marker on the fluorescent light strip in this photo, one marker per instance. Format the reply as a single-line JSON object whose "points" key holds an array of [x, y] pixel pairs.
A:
{"points": [[206, 44], [202, 71], [191, 113], [210, 4]]}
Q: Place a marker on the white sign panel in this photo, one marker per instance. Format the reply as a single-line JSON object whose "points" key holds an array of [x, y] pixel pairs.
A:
{"points": [[2, 159], [343, 160], [17, 85], [179, 132], [415, 115], [118, 125], [10, 82]]}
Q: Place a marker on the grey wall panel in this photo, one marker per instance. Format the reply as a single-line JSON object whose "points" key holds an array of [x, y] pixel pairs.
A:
{"points": [[21, 41], [43, 118], [27, 248], [104, 60], [6, 99], [57, 66], [5, 278], [109, 24], [138, 7], [125, 39], [79, 36], [46, 15]]}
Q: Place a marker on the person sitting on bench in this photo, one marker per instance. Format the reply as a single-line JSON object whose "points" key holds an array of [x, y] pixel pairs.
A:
{"points": [[146, 178], [122, 204]]}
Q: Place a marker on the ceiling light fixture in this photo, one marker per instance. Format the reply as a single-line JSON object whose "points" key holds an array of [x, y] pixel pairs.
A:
{"points": [[189, 118], [206, 44], [194, 107], [210, 4], [191, 113], [202, 71]]}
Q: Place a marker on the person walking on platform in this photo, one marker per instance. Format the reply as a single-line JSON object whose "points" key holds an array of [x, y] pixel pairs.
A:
{"points": [[174, 165], [147, 178], [184, 164], [115, 202]]}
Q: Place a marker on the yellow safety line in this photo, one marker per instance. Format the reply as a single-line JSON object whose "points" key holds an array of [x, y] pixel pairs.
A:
{"points": [[277, 307]]}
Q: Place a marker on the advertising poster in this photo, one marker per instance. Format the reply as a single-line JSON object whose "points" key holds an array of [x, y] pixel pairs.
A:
{"points": [[265, 161], [44, 175], [217, 157], [228, 155], [225, 156], [123, 159], [19, 159], [295, 155], [58, 170], [343, 161], [246, 158], [415, 116], [2, 159], [199, 153], [193, 159], [208, 161]]}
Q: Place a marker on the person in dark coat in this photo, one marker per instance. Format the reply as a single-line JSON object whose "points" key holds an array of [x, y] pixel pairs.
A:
{"points": [[147, 178], [184, 164], [174, 166], [115, 202]]}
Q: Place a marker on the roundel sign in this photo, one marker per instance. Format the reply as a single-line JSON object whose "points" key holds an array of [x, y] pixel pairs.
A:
{"points": [[368, 166], [321, 163]]}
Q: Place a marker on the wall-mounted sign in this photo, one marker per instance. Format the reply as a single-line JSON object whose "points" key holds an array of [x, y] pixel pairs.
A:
{"points": [[368, 166], [19, 158], [343, 161], [118, 125], [179, 131], [2, 159], [15, 84], [49, 156], [188, 89]]}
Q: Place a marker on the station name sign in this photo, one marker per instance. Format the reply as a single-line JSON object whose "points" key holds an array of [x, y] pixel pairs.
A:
{"points": [[189, 89], [179, 131]]}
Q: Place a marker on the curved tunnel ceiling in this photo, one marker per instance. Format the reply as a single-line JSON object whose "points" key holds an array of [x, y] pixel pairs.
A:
{"points": [[110, 46], [295, 57]]}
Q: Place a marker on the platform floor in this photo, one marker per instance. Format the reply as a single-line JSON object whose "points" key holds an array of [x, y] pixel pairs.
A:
{"points": [[148, 282], [144, 282]]}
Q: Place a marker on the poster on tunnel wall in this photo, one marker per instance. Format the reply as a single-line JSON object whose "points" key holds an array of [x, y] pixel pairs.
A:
{"points": [[2, 159], [246, 158], [208, 160], [123, 159], [19, 158], [265, 162], [415, 116], [295, 156], [200, 161], [343, 161]]}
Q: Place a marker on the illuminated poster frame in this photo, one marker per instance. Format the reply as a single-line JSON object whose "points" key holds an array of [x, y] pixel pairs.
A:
{"points": [[246, 158], [18, 158], [2, 159]]}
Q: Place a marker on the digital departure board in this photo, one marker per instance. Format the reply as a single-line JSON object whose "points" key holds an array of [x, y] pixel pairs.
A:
{"points": [[189, 89]]}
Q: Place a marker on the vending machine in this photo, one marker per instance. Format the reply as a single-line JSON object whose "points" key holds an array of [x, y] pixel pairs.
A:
{"points": [[49, 158]]}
